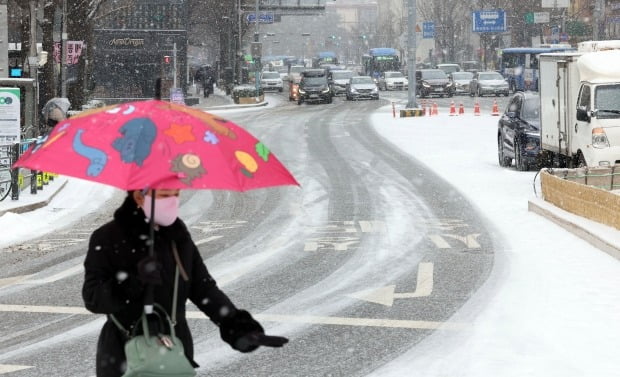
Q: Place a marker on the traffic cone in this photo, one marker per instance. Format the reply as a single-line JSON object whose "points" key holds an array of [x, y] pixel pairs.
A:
{"points": [[461, 109], [452, 109], [476, 109], [435, 109], [495, 110], [423, 105]]}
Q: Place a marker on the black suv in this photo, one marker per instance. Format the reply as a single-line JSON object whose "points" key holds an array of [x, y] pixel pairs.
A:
{"points": [[433, 82], [314, 87]]}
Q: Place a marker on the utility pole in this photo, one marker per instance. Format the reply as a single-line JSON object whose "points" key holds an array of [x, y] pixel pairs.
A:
{"points": [[4, 39], [256, 68], [63, 52], [411, 54], [33, 61]]}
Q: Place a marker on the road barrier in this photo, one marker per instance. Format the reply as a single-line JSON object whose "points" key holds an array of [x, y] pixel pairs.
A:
{"points": [[585, 192], [12, 181]]}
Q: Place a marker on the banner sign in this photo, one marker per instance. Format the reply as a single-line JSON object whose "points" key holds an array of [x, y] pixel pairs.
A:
{"points": [[10, 116], [74, 51], [489, 21]]}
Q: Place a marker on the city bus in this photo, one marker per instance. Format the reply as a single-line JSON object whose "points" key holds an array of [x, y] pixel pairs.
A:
{"points": [[379, 60], [519, 65]]}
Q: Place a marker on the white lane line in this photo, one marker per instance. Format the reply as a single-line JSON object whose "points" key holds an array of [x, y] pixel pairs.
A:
{"points": [[7, 368], [50, 279], [317, 320]]}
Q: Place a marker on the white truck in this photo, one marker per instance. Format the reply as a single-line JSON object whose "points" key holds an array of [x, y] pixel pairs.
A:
{"points": [[580, 107]]}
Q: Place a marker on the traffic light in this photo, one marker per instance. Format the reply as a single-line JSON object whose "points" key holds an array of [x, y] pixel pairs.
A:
{"points": [[167, 59]]}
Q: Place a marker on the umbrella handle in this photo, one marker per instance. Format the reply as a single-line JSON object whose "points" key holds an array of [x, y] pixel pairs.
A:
{"points": [[149, 296]]}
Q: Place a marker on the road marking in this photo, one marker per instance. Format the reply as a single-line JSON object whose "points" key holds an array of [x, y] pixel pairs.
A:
{"points": [[61, 275], [317, 320], [6, 368], [386, 295], [13, 280], [373, 226], [330, 243], [208, 239], [469, 240]]}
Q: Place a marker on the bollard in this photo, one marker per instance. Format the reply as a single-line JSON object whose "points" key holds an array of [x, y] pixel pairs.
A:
{"points": [[39, 179], [46, 178], [393, 110]]}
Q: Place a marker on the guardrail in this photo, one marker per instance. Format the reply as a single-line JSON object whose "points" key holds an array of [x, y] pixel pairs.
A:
{"points": [[12, 181]]}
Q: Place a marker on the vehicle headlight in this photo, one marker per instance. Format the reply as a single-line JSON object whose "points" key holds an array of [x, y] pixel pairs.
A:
{"points": [[425, 85], [599, 138], [375, 90], [353, 90], [301, 91], [449, 84], [326, 90]]}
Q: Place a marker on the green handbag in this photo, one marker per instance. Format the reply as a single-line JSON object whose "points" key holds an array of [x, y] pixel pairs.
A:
{"points": [[157, 355], [160, 355]]}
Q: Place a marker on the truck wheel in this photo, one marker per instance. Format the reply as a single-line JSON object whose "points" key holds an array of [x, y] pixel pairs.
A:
{"points": [[502, 159]]}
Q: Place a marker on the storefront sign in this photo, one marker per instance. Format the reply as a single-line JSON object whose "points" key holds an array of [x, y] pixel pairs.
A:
{"points": [[10, 117]]}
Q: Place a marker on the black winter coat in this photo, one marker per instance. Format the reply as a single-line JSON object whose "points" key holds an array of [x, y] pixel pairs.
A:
{"points": [[111, 284]]}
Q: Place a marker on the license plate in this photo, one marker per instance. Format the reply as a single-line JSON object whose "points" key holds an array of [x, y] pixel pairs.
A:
{"points": [[314, 96], [439, 89]]}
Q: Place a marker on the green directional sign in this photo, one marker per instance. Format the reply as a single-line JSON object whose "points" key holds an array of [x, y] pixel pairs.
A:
{"points": [[529, 18]]}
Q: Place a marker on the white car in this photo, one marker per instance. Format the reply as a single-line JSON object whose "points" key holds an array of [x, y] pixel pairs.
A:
{"points": [[393, 80], [271, 81]]}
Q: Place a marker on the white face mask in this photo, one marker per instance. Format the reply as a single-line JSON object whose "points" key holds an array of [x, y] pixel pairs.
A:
{"points": [[166, 209]]}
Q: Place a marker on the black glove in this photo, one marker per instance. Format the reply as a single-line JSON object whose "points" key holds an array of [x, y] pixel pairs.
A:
{"points": [[245, 334], [149, 271]]}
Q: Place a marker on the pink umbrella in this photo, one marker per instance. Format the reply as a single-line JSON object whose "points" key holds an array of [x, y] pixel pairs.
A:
{"points": [[156, 144]]}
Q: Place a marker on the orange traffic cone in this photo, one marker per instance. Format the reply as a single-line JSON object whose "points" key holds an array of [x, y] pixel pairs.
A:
{"points": [[495, 110], [435, 109], [452, 109], [461, 109], [476, 109]]}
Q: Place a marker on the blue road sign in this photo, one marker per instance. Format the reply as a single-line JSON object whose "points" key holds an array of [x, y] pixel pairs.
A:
{"points": [[489, 21], [263, 18], [428, 30]]}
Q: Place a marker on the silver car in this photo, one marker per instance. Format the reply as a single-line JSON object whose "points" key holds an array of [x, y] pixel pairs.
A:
{"points": [[362, 87], [461, 81], [338, 81], [271, 81], [488, 82]]}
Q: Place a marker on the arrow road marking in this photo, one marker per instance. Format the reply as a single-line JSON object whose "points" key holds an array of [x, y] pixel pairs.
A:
{"points": [[6, 368], [385, 296]]}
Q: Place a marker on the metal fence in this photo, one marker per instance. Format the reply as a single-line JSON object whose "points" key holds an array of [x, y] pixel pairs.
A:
{"points": [[12, 181]]}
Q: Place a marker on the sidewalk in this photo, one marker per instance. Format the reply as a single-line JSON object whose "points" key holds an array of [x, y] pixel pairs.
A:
{"points": [[220, 101], [29, 202]]}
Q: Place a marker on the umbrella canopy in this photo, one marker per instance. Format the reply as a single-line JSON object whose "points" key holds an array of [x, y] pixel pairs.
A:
{"points": [[156, 144]]}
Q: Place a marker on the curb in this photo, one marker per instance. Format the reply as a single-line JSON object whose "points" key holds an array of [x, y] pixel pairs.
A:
{"points": [[36, 205], [564, 219], [227, 107]]}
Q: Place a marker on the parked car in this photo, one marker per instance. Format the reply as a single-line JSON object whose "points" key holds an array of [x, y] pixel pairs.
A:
{"points": [[393, 80], [313, 87], [360, 87], [271, 81], [338, 81], [518, 132], [433, 82], [461, 81], [488, 82], [449, 67]]}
